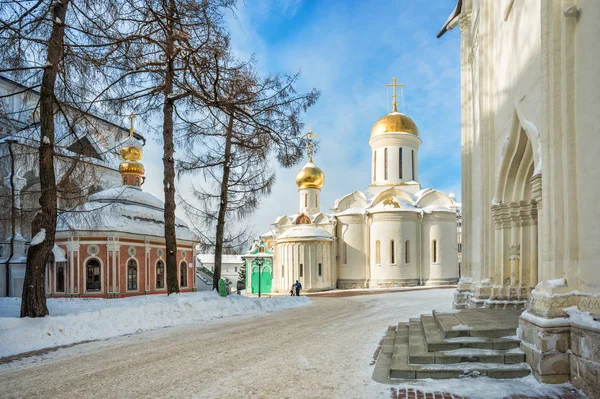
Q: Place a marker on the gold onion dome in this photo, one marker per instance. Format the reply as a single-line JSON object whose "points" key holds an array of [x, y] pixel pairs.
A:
{"points": [[131, 153], [394, 122], [310, 176]]}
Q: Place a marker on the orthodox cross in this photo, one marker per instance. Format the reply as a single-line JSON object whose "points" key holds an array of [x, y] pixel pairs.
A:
{"points": [[395, 96], [310, 145], [131, 118]]}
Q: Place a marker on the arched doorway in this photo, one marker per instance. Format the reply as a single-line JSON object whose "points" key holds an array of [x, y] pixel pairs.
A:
{"points": [[515, 216], [266, 277]]}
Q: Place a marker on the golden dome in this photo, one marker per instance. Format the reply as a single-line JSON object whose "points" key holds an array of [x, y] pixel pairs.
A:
{"points": [[310, 176], [131, 167], [394, 122], [131, 153]]}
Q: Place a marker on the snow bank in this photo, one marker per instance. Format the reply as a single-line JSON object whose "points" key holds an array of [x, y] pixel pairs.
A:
{"points": [[77, 320]]}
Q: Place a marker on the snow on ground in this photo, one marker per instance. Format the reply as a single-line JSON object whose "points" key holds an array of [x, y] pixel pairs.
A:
{"points": [[323, 350], [76, 320], [490, 388]]}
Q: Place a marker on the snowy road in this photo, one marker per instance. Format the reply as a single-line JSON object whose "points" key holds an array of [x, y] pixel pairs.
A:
{"points": [[321, 350]]}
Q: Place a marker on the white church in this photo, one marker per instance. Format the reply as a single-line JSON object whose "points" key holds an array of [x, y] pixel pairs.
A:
{"points": [[395, 233]]}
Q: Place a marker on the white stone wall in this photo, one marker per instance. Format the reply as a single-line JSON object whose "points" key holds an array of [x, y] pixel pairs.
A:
{"points": [[309, 200], [386, 227], [441, 229], [393, 142], [531, 68], [290, 255], [352, 248]]}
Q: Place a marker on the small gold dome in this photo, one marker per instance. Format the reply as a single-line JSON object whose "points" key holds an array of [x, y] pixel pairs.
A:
{"points": [[394, 122], [310, 176], [131, 153], [131, 167]]}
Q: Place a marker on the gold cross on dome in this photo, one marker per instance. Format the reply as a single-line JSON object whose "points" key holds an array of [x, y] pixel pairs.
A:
{"points": [[310, 145], [394, 96], [131, 118]]}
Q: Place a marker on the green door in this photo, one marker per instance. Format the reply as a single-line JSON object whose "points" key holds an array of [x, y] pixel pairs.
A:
{"points": [[255, 280], [266, 279]]}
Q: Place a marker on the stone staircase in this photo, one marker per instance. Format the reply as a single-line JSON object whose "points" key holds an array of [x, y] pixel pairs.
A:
{"points": [[453, 344]]}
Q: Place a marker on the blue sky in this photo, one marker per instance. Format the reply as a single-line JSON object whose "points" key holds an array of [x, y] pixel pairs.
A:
{"points": [[349, 50]]}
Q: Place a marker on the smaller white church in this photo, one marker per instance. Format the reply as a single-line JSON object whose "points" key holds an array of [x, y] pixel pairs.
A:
{"points": [[395, 233]]}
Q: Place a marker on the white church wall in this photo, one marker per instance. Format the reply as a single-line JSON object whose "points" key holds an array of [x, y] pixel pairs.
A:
{"points": [[393, 142], [439, 249], [351, 244], [587, 103], [388, 226]]}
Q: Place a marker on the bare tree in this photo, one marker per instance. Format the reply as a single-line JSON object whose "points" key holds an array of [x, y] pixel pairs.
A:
{"points": [[163, 51], [48, 48], [258, 120]]}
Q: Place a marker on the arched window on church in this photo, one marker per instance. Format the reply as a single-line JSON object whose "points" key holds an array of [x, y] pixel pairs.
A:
{"points": [[400, 163], [137, 181], [93, 275], [282, 271], [407, 252], [385, 164], [392, 252], [377, 252], [160, 274], [183, 274], [412, 160], [60, 277], [124, 180], [345, 253], [374, 165], [301, 270], [132, 275], [434, 250], [320, 270]]}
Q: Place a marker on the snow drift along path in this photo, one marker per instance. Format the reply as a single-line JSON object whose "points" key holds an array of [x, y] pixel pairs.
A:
{"points": [[77, 320]]}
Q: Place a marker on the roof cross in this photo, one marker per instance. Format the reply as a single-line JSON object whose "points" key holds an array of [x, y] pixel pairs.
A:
{"points": [[131, 118], [310, 144], [394, 96]]}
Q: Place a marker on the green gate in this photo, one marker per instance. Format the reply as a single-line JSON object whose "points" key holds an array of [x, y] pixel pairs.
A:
{"points": [[266, 277]]}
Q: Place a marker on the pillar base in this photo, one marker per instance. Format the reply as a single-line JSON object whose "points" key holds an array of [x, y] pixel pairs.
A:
{"points": [[557, 348]]}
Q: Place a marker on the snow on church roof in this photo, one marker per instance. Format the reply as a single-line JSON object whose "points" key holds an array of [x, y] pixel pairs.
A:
{"points": [[124, 209], [306, 232]]}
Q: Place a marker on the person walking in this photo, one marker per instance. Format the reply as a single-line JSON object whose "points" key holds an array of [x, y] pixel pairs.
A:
{"points": [[293, 290], [298, 287]]}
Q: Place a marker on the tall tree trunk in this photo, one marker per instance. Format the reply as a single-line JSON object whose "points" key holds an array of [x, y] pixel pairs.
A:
{"points": [[168, 157], [34, 298], [13, 215], [223, 203]]}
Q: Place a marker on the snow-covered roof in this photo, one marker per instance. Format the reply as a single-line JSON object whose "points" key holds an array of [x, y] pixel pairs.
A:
{"points": [[394, 199], [305, 231], [210, 258], [124, 209]]}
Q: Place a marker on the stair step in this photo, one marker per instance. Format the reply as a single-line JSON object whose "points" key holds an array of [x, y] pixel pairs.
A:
{"points": [[400, 368], [418, 354], [410, 361], [489, 323], [436, 342]]}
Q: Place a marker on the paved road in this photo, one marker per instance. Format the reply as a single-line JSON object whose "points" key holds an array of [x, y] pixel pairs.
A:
{"points": [[321, 350]]}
